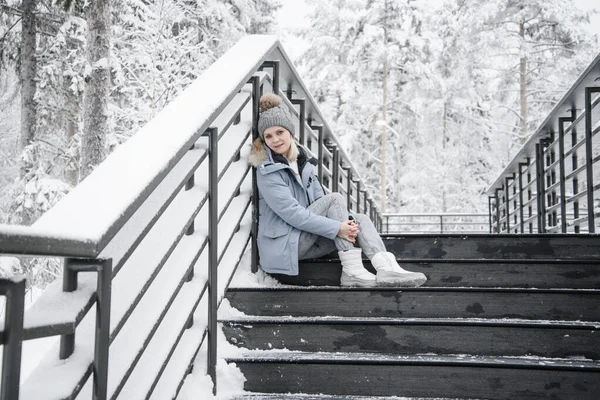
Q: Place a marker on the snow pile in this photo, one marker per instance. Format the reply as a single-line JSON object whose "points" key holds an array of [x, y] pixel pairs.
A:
{"points": [[9, 267], [245, 278]]}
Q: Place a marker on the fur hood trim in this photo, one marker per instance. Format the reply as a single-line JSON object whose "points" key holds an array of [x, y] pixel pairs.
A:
{"points": [[258, 153]]}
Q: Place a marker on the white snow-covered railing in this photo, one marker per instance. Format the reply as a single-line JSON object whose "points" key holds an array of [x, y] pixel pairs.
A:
{"points": [[143, 235], [551, 186]]}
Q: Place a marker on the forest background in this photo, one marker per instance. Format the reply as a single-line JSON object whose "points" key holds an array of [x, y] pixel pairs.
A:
{"points": [[468, 81]]}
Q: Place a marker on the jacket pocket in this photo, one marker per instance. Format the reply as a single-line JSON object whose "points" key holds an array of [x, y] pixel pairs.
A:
{"points": [[277, 231]]}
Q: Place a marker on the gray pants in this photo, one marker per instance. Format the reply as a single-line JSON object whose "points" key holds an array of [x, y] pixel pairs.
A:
{"points": [[333, 206]]}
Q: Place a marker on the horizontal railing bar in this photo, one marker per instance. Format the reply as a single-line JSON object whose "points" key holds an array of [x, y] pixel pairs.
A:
{"points": [[580, 220], [42, 241], [577, 196], [230, 160], [434, 215], [228, 242], [533, 200], [574, 148], [530, 185], [553, 187], [36, 391], [575, 172], [237, 187], [552, 207], [42, 318], [435, 224], [552, 166]]}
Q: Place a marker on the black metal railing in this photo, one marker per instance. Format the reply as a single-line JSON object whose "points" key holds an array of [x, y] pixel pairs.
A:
{"points": [[144, 237], [551, 185], [467, 223]]}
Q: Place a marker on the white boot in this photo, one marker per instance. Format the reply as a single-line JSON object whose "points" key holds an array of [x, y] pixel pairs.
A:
{"points": [[353, 270], [389, 273]]}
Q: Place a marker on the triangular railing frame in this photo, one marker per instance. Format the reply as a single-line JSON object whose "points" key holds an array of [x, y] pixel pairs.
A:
{"points": [[157, 220]]}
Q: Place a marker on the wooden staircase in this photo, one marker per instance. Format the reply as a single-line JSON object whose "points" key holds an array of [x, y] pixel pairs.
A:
{"points": [[501, 317]]}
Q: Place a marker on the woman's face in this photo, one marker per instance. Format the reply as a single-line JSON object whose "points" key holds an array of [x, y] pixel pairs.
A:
{"points": [[278, 139]]}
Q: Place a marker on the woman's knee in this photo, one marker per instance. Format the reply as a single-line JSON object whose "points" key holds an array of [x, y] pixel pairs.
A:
{"points": [[338, 198], [361, 218]]}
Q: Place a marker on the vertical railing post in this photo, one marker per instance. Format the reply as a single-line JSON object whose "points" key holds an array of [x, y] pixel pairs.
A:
{"points": [[255, 112], [103, 269], [349, 188], [589, 157], [302, 119], [188, 186], [336, 169], [364, 202], [67, 342], [540, 170], [490, 213], [498, 226], [275, 66], [507, 203], [575, 181], [321, 144], [14, 291], [102, 342], [357, 197], [213, 252], [550, 181], [441, 223], [521, 204], [387, 224], [562, 173]]}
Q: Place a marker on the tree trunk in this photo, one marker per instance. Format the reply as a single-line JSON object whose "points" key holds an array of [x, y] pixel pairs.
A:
{"points": [[384, 116], [445, 125], [28, 71], [523, 84], [97, 86]]}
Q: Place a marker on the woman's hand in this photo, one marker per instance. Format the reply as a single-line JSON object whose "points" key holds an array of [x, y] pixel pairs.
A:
{"points": [[348, 231]]}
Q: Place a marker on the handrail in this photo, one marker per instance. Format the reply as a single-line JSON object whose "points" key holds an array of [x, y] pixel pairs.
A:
{"points": [[136, 243], [435, 222], [550, 182]]}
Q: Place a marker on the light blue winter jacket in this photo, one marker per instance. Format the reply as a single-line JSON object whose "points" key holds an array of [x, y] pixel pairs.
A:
{"points": [[282, 201]]}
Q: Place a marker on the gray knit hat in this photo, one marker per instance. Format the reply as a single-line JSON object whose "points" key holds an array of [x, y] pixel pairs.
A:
{"points": [[273, 113]]}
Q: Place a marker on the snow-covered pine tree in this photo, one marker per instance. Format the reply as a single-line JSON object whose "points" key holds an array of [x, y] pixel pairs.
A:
{"points": [[28, 71], [349, 45], [531, 47]]}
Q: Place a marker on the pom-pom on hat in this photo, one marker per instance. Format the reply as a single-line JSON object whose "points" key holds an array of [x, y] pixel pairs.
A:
{"points": [[273, 113]]}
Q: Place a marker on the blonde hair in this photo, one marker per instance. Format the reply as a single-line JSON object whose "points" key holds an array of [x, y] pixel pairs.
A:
{"points": [[293, 152]]}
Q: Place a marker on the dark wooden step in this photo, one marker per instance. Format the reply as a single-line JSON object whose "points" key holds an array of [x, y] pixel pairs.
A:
{"points": [[422, 376], [538, 274], [289, 396], [544, 304], [494, 247], [406, 337]]}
